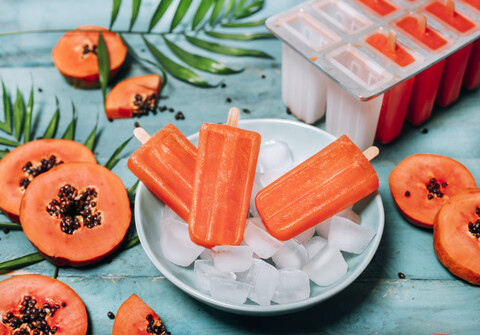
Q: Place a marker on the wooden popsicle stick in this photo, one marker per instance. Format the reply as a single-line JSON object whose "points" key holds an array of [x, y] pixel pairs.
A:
{"points": [[141, 135], [422, 23], [392, 40], [450, 5], [233, 116], [371, 152]]}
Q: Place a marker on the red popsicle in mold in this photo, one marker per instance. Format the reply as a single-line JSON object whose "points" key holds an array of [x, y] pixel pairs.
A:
{"points": [[426, 83], [395, 101], [379, 7], [455, 64], [471, 79]]}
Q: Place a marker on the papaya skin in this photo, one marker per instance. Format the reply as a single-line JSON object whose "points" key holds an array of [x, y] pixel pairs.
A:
{"points": [[120, 101], [11, 167], [455, 246], [80, 68], [410, 179], [131, 317], [85, 245]]}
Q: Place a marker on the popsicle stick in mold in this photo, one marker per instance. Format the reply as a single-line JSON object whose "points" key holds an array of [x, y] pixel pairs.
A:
{"points": [[371, 152], [392, 40], [141, 135], [450, 6], [422, 23]]}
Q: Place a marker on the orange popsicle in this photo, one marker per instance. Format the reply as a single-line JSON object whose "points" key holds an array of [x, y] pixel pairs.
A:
{"points": [[224, 174], [326, 183], [165, 163]]}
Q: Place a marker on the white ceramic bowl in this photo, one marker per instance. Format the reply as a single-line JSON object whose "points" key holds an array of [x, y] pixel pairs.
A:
{"points": [[304, 141]]}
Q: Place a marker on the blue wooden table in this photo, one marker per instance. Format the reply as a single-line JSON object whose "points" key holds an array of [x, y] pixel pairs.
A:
{"points": [[428, 300]]}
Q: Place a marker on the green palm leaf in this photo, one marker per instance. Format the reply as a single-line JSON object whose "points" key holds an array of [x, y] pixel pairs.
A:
{"points": [[161, 9], [201, 12], [131, 190], [103, 65], [6, 125], [21, 262], [200, 62], [18, 114], [239, 37], [3, 153], [52, 126], [135, 9], [230, 7], [7, 142], [226, 50], [217, 9], [11, 225], [113, 160], [70, 131], [180, 13], [244, 24], [28, 118], [242, 12], [90, 141], [115, 10], [176, 70]]}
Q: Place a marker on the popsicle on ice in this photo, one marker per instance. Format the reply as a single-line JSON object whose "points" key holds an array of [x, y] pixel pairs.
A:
{"points": [[165, 163], [224, 174], [326, 183]]}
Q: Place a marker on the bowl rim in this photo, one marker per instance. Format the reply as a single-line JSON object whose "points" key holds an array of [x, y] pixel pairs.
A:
{"points": [[254, 309]]}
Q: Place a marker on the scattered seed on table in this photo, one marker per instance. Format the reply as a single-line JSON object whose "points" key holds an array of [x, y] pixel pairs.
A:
{"points": [[179, 116], [111, 315], [223, 85], [162, 108], [424, 130], [289, 111], [228, 99], [136, 124], [401, 275], [264, 76], [40, 90], [171, 110], [6, 230], [246, 111]]}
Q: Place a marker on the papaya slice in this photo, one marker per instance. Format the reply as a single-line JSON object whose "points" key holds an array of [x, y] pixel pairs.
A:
{"points": [[76, 214], [135, 317], [133, 97], [422, 183], [75, 55], [456, 234], [21, 165], [36, 304]]}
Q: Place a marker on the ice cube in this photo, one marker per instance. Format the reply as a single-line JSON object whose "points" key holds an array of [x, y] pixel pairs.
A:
{"points": [[323, 228], [348, 213], [175, 241], [274, 155], [205, 270], [207, 254], [293, 285], [230, 258], [315, 244], [262, 180], [327, 266], [348, 236], [262, 243], [229, 290], [305, 236], [264, 278], [292, 254]]}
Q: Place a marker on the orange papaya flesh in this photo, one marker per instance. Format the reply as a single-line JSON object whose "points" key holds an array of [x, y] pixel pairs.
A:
{"points": [[133, 97], [422, 183], [24, 163], [456, 234], [135, 317], [76, 214], [75, 55], [57, 308]]}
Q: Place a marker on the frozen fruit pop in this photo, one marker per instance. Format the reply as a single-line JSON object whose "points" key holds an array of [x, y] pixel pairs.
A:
{"points": [[165, 163], [224, 174], [326, 183]]}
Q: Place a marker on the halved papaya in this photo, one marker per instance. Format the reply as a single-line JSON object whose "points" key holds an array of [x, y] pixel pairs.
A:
{"points": [[422, 183], [75, 55], [133, 97], [456, 234], [76, 214], [21, 165], [36, 304], [135, 317]]}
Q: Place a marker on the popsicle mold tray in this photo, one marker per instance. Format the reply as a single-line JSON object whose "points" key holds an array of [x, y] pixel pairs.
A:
{"points": [[331, 35]]}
